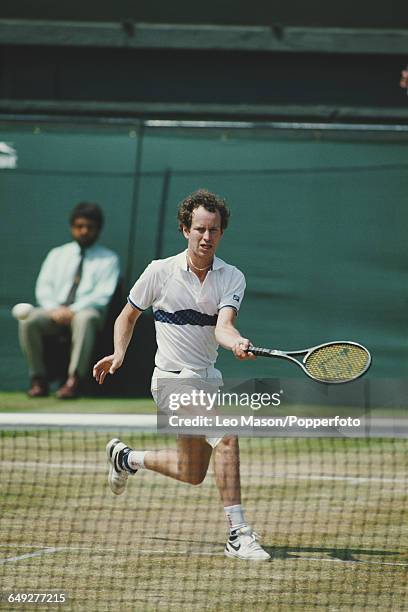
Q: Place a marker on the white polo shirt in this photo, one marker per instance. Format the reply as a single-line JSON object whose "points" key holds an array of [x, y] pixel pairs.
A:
{"points": [[185, 311]]}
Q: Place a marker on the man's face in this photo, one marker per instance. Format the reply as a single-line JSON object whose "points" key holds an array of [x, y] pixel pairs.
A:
{"points": [[84, 231], [205, 232]]}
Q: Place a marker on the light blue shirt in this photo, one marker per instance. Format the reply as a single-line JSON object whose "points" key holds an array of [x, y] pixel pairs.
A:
{"points": [[99, 278]]}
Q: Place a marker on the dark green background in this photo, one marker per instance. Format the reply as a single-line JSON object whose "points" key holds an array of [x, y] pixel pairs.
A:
{"points": [[318, 226]]}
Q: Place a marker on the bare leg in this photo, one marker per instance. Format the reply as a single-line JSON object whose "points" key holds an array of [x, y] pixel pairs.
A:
{"points": [[189, 463], [226, 469]]}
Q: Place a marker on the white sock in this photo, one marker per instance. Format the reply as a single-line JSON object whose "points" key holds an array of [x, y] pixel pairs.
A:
{"points": [[235, 516], [136, 459]]}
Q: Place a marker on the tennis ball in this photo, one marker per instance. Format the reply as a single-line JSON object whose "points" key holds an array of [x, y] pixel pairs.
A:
{"points": [[21, 311]]}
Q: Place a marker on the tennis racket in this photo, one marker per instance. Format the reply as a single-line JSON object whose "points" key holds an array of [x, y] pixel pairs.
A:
{"points": [[333, 362]]}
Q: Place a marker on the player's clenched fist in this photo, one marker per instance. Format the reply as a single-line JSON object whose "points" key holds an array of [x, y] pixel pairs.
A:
{"points": [[240, 349]]}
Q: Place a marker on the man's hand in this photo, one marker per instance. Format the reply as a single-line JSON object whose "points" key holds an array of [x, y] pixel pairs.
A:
{"points": [[62, 315], [404, 79], [240, 349], [106, 365]]}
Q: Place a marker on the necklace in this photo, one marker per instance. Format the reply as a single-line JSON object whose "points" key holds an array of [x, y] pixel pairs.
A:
{"points": [[195, 267]]}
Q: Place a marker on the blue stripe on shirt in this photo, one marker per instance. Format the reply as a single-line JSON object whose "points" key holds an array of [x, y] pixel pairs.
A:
{"points": [[185, 317]]}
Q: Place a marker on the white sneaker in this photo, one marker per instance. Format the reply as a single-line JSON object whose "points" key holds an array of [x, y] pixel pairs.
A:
{"points": [[243, 545], [117, 477]]}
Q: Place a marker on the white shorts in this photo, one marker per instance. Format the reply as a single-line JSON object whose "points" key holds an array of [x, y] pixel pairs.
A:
{"points": [[210, 378]]}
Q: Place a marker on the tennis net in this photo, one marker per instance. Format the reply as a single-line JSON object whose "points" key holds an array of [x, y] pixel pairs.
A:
{"points": [[331, 511]]}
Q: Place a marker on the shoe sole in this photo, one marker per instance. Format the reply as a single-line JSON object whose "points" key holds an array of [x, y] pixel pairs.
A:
{"points": [[231, 555], [109, 454], [110, 446]]}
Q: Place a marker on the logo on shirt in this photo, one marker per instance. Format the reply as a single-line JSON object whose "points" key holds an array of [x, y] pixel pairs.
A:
{"points": [[235, 297]]}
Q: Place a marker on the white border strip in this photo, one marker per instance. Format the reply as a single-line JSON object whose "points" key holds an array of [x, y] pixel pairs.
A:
{"points": [[185, 552], [38, 553], [276, 125], [22, 420], [355, 480]]}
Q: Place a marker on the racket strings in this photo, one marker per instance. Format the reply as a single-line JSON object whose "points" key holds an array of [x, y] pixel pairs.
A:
{"points": [[337, 362]]}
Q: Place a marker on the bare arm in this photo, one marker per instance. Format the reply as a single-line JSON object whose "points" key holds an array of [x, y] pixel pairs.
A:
{"points": [[229, 337], [124, 326]]}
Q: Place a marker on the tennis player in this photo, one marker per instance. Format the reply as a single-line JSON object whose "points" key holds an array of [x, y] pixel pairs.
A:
{"points": [[195, 298]]}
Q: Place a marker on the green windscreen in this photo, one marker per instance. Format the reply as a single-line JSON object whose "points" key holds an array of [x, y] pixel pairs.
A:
{"points": [[318, 225]]}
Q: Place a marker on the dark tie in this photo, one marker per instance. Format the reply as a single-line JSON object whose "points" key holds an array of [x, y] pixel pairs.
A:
{"points": [[70, 299]]}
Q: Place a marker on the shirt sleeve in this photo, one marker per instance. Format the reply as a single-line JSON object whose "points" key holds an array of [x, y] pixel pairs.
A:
{"points": [[234, 291], [103, 289], [144, 292], [45, 292]]}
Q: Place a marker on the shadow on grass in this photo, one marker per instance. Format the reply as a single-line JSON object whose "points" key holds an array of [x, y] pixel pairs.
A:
{"points": [[341, 554], [298, 552]]}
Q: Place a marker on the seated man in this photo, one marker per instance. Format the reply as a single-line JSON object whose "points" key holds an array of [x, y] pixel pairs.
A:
{"points": [[73, 289]]}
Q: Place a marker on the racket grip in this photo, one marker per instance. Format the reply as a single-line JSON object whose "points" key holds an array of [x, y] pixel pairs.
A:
{"points": [[258, 351]]}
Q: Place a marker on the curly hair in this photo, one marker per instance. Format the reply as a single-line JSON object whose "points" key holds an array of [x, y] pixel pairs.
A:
{"points": [[202, 197], [88, 210]]}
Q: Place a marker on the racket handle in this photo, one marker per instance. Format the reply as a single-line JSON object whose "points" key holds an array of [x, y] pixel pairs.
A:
{"points": [[258, 351]]}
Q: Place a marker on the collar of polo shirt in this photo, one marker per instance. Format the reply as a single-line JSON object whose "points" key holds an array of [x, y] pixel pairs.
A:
{"points": [[183, 264]]}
